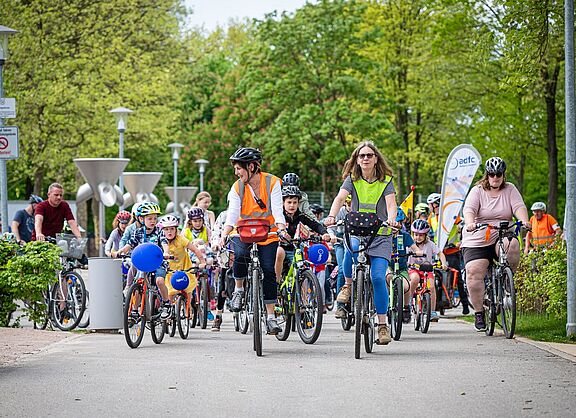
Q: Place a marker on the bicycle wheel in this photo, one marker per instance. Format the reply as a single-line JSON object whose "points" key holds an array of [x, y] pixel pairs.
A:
{"points": [[42, 310], [309, 307], [182, 317], [425, 313], [204, 303], [358, 312], [396, 305], [134, 316], [507, 298], [66, 313], [370, 320], [157, 326], [416, 308], [256, 300], [85, 320], [171, 323], [329, 295], [490, 305], [245, 314], [284, 317]]}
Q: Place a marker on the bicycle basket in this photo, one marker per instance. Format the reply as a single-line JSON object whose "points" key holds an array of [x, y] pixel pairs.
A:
{"points": [[71, 246], [253, 230], [362, 224]]}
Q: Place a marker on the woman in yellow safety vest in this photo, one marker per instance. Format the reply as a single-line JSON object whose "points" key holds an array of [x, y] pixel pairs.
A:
{"points": [[368, 178]]}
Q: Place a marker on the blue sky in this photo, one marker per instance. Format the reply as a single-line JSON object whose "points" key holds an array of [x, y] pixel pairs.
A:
{"points": [[210, 13]]}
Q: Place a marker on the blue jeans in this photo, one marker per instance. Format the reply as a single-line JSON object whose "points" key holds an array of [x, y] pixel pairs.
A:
{"points": [[378, 267], [267, 256], [339, 250]]}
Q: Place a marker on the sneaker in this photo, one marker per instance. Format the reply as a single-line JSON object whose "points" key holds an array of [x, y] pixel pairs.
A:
{"points": [[166, 311], [344, 295], [217, 323], [383, 335], [465, 309], [134, 314], [406, 315], [434, 317], [125, 292], [237, 300], [272, 326], [341, 313], [210, 316], [479, 322]]}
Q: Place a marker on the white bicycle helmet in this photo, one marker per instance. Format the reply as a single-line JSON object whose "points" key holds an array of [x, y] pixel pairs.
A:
{"points": [[168, 221], [434, 198], [539, 206], [495, 165]]}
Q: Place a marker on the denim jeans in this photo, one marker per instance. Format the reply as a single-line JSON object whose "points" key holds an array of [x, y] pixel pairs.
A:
{"points": [[339, 250], [267, 256], [378, 267]]}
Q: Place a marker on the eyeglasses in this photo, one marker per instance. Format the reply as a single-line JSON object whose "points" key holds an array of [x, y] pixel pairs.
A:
{"points": [[123, 222], [363, 156], [492, 175]]}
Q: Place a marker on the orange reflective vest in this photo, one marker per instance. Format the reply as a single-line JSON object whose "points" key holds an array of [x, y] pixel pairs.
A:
{"points": [[542, 230], [249, 208]]}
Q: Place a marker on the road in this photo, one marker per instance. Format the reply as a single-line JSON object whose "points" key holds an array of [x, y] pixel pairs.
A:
{"points": [[451, 371]]}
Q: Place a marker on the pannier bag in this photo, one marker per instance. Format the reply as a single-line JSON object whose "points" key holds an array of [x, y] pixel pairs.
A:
{"points": [[253, 230], [362, 224]]}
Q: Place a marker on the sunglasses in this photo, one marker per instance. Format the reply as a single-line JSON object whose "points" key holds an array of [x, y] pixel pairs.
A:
{"points": [[123, 222], [492, 175], [363, 156]]}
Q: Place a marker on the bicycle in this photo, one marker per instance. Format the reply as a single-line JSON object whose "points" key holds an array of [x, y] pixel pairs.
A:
{"points": [[300, 297], [421, 299], [182, 311], [448, 297], [500, 292], [65, 301], [396, 297], [143, 309]]}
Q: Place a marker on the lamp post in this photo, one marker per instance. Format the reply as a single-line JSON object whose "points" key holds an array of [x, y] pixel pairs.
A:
{"points": [[176, 147], [4, 34], [121, 114], [202, 169]]}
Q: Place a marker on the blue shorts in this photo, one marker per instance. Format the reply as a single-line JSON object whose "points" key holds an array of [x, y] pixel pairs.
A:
{"points": [[161, 272]]}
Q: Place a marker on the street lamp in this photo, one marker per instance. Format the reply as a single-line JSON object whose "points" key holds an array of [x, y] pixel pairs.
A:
{"points": [[4, 34], [202, 169], [176, 147], [121, 114]]}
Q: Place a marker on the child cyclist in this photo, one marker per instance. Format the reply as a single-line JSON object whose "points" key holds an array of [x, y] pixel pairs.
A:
{"points": [[147, 215], [401, 243], [119, 224], [291, 197], [420, 229], [178, 246]]}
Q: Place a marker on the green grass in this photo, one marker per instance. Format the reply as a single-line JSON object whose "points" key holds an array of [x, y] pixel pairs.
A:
{"points": [[538, 327]]}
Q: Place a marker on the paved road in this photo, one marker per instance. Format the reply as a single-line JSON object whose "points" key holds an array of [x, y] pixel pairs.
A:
{"points": [[452, 371]]}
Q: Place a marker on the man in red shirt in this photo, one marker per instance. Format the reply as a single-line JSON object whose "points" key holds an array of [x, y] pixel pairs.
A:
{"points": [[50, 215]]}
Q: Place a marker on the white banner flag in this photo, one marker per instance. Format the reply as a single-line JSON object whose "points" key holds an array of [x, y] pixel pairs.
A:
{"points": [[459, 172]]}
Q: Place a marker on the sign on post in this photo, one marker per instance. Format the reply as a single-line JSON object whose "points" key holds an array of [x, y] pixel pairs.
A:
{"points": [[8, 142], [7, 108]]}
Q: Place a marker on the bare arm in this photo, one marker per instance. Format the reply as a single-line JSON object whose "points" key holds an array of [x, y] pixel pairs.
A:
{"points": [[392, 208], [15, 225], [38, 220], [74, 227], [336, 205]]}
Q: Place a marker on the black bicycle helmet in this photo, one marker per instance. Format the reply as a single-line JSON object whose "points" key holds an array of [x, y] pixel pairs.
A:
{"points": [[246, 155], [35, 199], [495, 165], [315, 208], [291, 191], [291, 179]]}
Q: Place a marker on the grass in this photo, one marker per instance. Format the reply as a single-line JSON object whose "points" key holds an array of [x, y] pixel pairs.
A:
{"points": [[538, 327]]}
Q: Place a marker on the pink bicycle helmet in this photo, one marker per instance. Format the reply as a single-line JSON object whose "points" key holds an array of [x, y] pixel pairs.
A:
{"points": [[420, 226]]}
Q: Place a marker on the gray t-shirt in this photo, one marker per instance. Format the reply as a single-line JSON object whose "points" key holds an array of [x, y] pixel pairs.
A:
{"points": [[382, 244]]}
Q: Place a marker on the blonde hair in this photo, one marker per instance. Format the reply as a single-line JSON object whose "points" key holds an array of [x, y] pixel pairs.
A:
{"points": [[351, 166], [201, 196]]}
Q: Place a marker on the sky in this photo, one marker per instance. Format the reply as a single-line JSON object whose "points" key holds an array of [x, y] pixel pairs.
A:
{"points": [[211, 13]]}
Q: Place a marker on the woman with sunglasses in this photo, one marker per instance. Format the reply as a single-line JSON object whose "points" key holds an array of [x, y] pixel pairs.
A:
{"points": [[119, 224], [368, 178], [491, 201]]}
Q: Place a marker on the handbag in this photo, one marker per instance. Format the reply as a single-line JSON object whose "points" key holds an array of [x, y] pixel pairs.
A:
{"points": [[362, 224], [253, 230]]}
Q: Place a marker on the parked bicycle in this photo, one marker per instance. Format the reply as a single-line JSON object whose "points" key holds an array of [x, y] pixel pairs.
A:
{"points": [[300, 298], [65, 301], [500, 291]]}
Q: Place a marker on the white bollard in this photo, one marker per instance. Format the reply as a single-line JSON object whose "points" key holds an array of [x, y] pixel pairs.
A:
{"points": [[105, 291]]}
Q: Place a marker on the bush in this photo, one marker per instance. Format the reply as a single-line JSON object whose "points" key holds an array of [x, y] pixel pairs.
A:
{"points": [[25, 273], [541, 281]]}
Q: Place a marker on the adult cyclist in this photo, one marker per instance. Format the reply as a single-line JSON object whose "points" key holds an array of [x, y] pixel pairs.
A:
{"points": [[256, 195]]}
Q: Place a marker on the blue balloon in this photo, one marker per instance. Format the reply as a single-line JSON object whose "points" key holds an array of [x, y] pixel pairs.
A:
{"points": [[318, 254], [179, 280], [147, 257]]}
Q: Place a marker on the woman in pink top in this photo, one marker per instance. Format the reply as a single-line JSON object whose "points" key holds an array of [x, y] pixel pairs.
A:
{"points": [[491, 201]]}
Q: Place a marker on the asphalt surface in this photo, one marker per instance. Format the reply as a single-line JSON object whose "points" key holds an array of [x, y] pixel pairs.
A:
{"points": [[451, 371]]}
